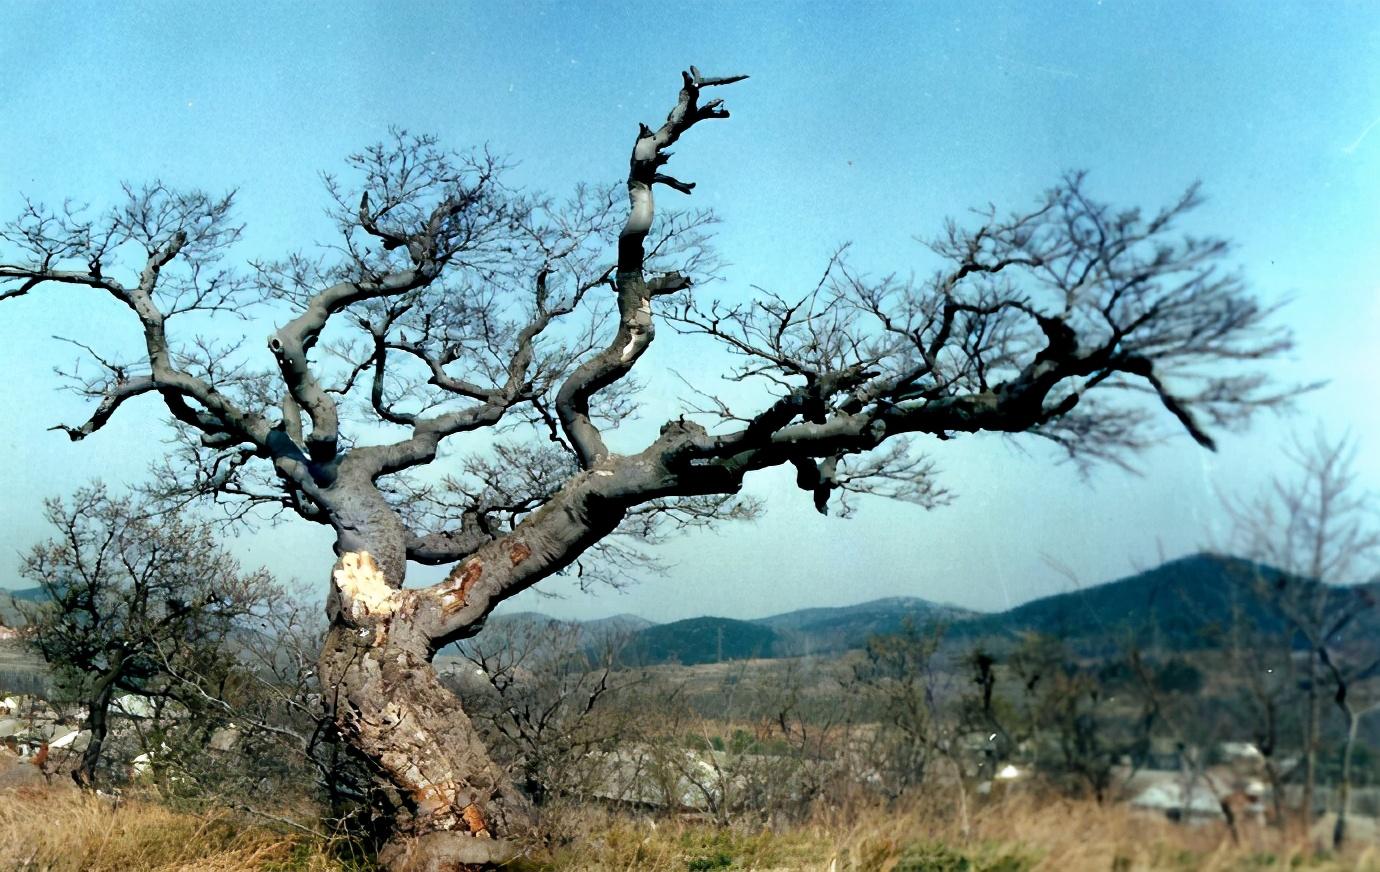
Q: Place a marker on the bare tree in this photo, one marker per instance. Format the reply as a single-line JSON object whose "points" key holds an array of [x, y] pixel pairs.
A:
{"points": [[1353, 666], [898, 675], [1260, 659], [278, 738], [452, 305], [1169, 693], [133, 601], [1320, 530], [1066, 705], [543, 683]]}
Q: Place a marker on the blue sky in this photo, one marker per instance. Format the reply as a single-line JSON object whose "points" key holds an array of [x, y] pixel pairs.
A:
{"points": [[862, 122]]}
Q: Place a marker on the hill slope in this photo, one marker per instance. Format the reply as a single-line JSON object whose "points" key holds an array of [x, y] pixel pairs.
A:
{"points": [[701, 640], [11, 601], [1184, 603], [823, 630], [1179, 603]]}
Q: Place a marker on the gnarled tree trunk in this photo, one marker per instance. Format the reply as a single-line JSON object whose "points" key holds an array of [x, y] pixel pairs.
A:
{"points": [[458, 807]]}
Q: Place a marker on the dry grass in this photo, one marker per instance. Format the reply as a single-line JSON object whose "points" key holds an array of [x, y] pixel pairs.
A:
{"points": [[65, 831], [1016, 834], [47, 830], [1024, 832]]}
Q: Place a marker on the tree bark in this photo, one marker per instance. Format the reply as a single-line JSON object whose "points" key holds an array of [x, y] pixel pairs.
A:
{"points": [[455, 808], [1344, 798], [98, 722], [1310, 742], [458, 809]]}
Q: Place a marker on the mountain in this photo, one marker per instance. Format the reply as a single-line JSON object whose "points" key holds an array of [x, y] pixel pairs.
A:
{"points": [[616, 626], [623, 623], [804, 632], [821, 630], [1183, 603], [11, 601], [701, 640], [534, 635]]}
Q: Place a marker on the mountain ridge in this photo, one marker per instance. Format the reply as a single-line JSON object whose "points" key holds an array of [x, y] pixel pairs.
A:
{"points": [[1181, 602], [1186, 603]]}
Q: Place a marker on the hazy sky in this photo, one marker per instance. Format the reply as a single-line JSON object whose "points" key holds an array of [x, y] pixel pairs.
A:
{"points": [[864, 122]]}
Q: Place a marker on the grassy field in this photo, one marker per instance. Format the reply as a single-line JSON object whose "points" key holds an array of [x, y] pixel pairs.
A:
{"points": [[61, 830]]}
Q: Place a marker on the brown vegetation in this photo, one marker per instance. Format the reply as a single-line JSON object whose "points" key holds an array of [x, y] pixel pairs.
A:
{"points": [[64, 830], [1012, 833]]}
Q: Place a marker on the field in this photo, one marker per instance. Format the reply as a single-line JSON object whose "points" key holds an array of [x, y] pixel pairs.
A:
{"points": [[874, 758], [61, 830]]}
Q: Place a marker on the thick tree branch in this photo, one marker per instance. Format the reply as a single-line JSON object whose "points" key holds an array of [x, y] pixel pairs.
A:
{"points": [[32, 278], [449, 546], [291, 343], [219, 415], [516, 387], [634, 293]]}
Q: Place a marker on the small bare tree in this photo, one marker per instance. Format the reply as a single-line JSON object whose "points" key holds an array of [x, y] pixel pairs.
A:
{"points": [[452, 305], [133, 602], [539, 687], [1353, 667], [1320, 529], [898, 676], [1267, 696], [278, 742], [1067, 710]]}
